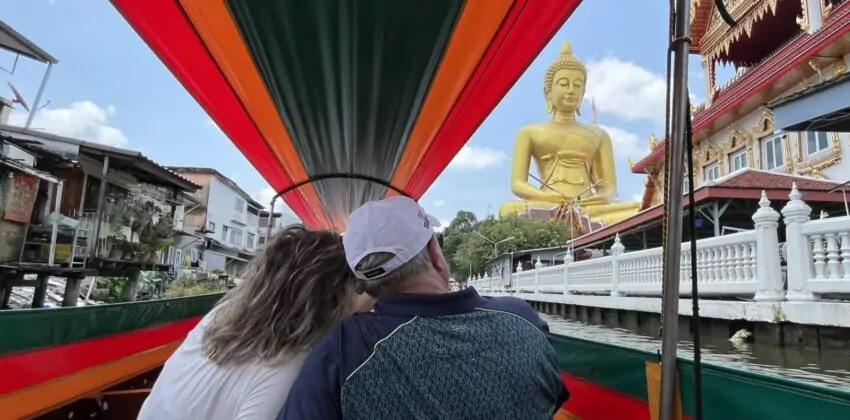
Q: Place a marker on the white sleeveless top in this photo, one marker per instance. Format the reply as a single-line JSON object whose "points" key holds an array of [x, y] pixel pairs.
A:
{"points": [[191, 387]]}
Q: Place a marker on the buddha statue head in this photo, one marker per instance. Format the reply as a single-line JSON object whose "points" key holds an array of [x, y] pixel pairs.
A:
{"points": [[564, 82]]}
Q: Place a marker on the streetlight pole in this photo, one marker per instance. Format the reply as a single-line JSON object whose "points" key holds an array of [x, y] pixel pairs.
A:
{"points": [[495, 243], [495, 246]]}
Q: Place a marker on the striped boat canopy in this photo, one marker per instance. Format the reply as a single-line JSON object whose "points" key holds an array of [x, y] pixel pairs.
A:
{"points": [[341, 102]]}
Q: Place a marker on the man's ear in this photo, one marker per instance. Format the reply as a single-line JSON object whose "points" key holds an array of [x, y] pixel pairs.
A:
{"points": [[438, 261]]}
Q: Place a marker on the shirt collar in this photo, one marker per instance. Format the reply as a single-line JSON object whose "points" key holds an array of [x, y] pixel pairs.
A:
{"points": [[432, 304]]}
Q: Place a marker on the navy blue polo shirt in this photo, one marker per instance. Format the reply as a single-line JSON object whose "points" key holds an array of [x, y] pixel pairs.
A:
{"points": [[438, 356]]}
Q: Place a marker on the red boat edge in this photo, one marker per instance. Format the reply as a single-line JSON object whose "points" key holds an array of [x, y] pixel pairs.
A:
{"points": [[53, 357]]}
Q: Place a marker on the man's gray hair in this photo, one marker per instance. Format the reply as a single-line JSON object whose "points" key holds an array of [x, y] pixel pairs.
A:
{"points": [[397, 280]]}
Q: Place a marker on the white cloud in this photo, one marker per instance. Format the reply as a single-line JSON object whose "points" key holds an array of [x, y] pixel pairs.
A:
{"points": [[83, 120], [444, 223], [626, 90], [477, 158], [625, 144], [439, 203], [637, 197], [265, 195]]}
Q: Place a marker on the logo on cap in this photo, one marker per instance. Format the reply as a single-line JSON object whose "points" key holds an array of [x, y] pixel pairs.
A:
{"points": [[424, 217], [374, 273]]}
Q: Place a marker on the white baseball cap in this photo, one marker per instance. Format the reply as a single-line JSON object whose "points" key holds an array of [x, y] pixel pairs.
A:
{"points": [[396, 225]]}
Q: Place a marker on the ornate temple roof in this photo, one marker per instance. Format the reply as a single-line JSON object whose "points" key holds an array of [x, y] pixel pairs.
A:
{"points": [[738, 94]]}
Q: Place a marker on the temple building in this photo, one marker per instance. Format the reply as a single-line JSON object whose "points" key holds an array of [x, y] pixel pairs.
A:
{"points": [[781, 119]]}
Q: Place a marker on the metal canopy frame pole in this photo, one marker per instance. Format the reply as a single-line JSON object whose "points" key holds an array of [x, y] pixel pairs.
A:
{"points": [[38, 95], [670, 299], [54, 233], [101, 206], [271, 217]]}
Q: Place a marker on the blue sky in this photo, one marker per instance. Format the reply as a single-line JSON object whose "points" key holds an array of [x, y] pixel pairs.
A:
{"points": [[110, 87]]}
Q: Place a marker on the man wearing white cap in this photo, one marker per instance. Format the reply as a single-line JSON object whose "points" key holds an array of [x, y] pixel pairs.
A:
{"points": [[424, 352]]}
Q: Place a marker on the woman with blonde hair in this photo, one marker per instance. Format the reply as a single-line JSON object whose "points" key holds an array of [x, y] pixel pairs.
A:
{"points": [[241, 359]]}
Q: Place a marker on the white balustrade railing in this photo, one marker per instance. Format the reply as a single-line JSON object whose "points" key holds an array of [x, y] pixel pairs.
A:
{"points": [[819, 250], [743, 264]]}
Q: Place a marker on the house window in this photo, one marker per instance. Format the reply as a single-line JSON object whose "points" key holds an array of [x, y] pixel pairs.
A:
{"points": [[738, 160], [816, 141], [211, 227], [712, 172], [250, 243], [686, 184], [261, 240], [240, 205], [224, 230], [236, 237], [774, 152]]}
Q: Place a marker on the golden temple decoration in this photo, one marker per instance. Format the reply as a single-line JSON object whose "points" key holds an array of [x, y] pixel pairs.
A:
{"points": [[839, 68], [765, 125], [803, 19], [816, 67], [652, 142], [629, 161], [708, 154], [789, 160], [738, 140], [719, 37], [825, 8]]}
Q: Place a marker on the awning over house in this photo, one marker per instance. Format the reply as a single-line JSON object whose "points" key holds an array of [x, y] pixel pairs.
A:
{"points": [[133, 162], [822, 107], [12, 41], [341, 102], [11, 164]]}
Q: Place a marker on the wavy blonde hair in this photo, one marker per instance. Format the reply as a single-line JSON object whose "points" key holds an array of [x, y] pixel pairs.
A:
{"points": [[293, 292]]}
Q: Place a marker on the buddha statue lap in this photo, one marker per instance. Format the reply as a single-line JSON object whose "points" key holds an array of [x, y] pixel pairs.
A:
{"points": [[575, 161]]}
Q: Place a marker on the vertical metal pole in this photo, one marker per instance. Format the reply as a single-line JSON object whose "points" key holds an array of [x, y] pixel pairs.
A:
{"points": [[670, 300], [38, 95], [57, 197], [101, 197], [271, 218]]}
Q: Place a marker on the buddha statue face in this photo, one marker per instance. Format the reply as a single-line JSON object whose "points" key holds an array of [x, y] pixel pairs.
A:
{"points": [[567, 90], [564, 83]]}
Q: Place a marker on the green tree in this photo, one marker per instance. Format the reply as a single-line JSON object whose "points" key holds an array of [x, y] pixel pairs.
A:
{"points": [[467, 250]]}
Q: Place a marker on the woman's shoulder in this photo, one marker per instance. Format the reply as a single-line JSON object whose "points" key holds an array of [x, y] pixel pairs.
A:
{"points": [[269, 387]]}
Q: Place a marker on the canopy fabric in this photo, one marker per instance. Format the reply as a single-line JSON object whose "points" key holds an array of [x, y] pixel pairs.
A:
{"points": [[334, 100]]}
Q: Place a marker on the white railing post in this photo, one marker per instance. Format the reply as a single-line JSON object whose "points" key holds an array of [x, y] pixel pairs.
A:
{"points": [[537, 266], [799, 259], [616, 250], [568, 259], [768, 265]]}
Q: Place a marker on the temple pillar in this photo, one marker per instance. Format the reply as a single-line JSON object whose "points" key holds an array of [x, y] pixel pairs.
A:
{"points": [[708, 73], [813, 15]]}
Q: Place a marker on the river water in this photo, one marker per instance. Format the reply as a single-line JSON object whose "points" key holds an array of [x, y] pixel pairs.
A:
{"points": [[830, 368]]}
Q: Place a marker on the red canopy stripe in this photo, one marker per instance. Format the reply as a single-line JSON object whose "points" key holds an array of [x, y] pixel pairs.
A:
{"points": [[528, 27], [216, 29], [167, 31]]}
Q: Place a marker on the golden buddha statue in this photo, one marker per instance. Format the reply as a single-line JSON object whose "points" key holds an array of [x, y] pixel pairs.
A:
{"points": [[575, 161]]}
